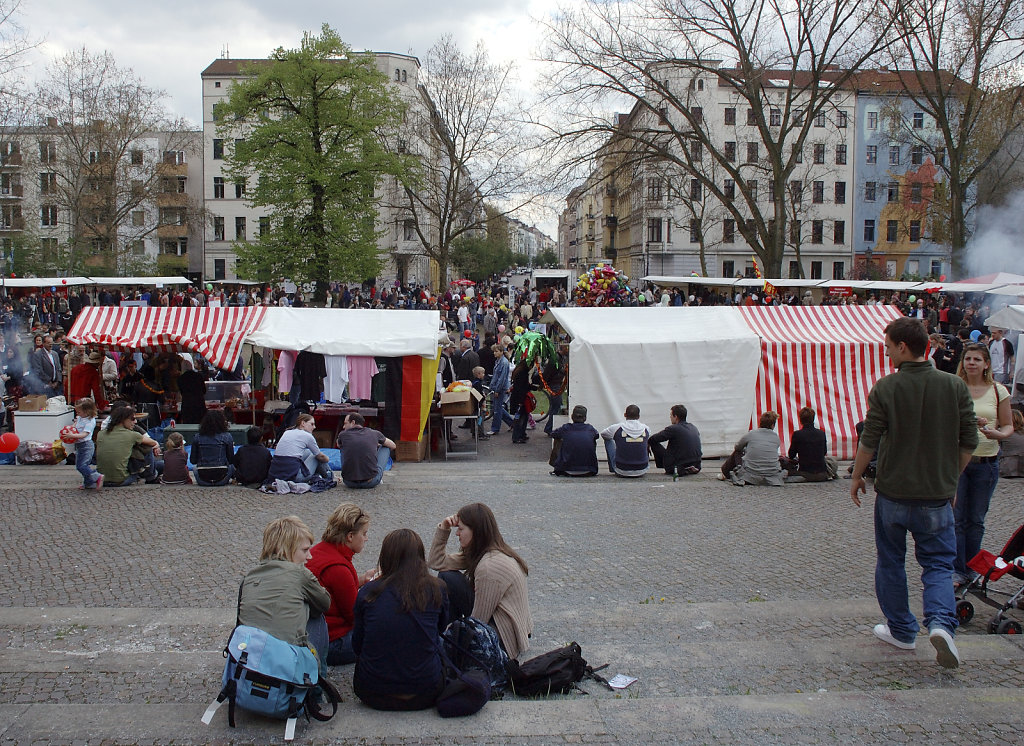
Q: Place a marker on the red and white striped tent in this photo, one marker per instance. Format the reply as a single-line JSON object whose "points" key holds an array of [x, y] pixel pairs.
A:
{"points": [[824, 357], [215, 333]]}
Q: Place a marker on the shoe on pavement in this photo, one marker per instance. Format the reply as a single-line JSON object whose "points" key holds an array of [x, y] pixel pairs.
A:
{"points": [[882, 633], [720, 476], [945, 649]]}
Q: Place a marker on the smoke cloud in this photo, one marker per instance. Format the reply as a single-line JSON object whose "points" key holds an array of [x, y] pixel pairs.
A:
{"points": [[998, 242]]}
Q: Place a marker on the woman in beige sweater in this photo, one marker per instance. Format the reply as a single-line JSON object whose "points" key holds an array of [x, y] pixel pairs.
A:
{"points": [[486, 578]]}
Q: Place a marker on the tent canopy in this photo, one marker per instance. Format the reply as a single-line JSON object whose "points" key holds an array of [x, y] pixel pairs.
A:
{"points": [[1010, 317], [122, 281], [349, 331], [705, 358], [45, 282], [215, 333]]}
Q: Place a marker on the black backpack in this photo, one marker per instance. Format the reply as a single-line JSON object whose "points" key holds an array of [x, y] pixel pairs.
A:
{"points": [[555, 672]]}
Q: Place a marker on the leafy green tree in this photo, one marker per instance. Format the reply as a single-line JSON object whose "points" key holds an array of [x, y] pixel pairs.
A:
{"points": [[546, 258], [314, 121]]}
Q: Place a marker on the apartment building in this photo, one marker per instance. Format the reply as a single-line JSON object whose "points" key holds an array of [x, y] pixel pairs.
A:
{"points": [[233, 218], [116, 208]]}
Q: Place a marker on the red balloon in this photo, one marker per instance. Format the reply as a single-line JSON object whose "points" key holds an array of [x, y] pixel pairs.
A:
{"points": [[63, 282], [942, 278], [9, 443]]}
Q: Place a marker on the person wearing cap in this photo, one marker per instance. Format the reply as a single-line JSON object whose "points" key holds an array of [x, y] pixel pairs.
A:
{"points": [[574, 447], [86, 381]]}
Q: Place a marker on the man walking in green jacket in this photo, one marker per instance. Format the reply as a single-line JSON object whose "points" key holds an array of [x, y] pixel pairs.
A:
{"points": [[922, 422]]}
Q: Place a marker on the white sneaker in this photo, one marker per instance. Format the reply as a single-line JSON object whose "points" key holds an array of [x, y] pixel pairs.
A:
{"points": [[882, 633], [721, 477], [945, 649]]}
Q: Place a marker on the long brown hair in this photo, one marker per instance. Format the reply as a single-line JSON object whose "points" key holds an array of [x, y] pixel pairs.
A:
{"points": [[986, 375], [403, 567], [486, 537]]}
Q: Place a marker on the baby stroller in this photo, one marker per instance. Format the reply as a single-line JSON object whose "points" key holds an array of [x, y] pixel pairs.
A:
{"points": [[991, 568]]}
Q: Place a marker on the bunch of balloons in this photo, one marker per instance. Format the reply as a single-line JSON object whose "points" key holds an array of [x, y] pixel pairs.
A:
{"points": [[602, 286]]}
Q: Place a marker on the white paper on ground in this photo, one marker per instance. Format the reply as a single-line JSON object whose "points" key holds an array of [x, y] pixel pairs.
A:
{"points": [[621, 681]]}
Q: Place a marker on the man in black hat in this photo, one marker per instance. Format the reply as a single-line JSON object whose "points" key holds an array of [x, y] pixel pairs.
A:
{"points": [[574, 447]]}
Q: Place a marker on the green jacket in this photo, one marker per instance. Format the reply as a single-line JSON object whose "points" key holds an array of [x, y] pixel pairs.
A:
{"points": [[919, 419], [279, 597]]}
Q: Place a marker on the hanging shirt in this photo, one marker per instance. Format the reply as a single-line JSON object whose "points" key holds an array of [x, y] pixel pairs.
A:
{"points": [[285, 368], [309, 372], [361, 371], [337, 377]]}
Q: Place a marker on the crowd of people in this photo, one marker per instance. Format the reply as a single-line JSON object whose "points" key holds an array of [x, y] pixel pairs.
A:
{"points": [[387, 620]]}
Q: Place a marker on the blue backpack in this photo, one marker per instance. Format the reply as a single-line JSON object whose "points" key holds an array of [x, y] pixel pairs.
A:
{"points": [[472, 644], [271, 677]]}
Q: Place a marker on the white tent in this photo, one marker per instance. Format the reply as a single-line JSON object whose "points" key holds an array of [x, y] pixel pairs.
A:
{"points": [[349, 331], [148, 281], [1008, 317], [654, 357], [44, 282]]}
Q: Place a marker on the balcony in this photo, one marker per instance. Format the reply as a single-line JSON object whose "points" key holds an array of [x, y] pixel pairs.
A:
{"points": [[171, 199], [12, 224], [11, 159], [15, 190], [172, 231], [611, 191], [172, 169], [611, 221]]}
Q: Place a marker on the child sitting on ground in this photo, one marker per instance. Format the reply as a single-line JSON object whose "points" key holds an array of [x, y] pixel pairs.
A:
{"points": [[85, 449], [252, 461], [175, 461]]}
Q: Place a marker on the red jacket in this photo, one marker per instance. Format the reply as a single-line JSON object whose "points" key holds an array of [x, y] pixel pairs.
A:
{"points": [[332, 565], [84, 380]]}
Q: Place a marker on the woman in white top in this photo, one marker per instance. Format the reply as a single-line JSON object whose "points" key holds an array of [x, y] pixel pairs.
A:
{"points": [[978, 480], [297, 458]]}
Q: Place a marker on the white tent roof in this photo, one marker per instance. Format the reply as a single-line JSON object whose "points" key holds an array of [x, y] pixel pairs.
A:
{"points": [[349, 331], [705, 358], [1017, 290], [1010, 317], [41, 282], [141, 280]]}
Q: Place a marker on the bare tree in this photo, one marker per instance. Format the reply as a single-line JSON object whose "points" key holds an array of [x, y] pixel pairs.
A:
{"points": [[477, 151], [108, 161], [783, 63], [961, 61], [14, 43]]}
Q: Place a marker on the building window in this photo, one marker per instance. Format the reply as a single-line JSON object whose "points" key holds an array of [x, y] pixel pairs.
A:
{"points": [[840, 155], [404, 76], [752, 189], [728, 231], [771, 190], [138, 218], [218, 228], [218, 149], [894, 191], [137, 187], [871, 154], [48, 247], [869, 231], [730, 115], [818, 192], [728, 268], [751, 118], [239, 229], [654, 189], [936, 268], [796, 189], [819, 119], [917, 155], [697, 114], [775, 117], [136, 157], [915, 194], [751, 152], [940, 156], [918, 120], [49, 216], [840, 193], [694, 230], [892, 228], [47, 152], [696, 151], [798, 116], [817, 231], [819, 152], [838, 270], [815, 270], [869, 191], [798, 154], [264, 226], [696, 193], [137, 247], [794, 269], [47, 183], [729, 189], [654, 230], [839, 234], [872, 120], [841, 119], [408, 230], [218, 187], [794, 232], [218, 269], [894, 155], [915, 231], [239, 189], [398, 76]]}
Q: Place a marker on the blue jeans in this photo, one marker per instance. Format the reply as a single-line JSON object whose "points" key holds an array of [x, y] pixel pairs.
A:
{"points": [[206, 483], [973, 495], [499, 413], [931, 525], [519, 422], [84, 451], [383, 454], [340, 652], [316, 630]]}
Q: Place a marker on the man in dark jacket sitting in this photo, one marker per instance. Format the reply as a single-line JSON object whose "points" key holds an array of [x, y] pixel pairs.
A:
{"points": [[807, 450], [574, 450], [682, 455]]}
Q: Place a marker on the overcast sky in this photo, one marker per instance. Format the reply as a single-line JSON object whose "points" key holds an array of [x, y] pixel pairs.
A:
{"points": [[170, 43]]}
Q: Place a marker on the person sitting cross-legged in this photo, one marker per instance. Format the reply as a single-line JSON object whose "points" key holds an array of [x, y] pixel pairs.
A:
{"points": [[807, 449], [755, 459], [574, 447], [681, 457], [364, 453], [626, 444]]}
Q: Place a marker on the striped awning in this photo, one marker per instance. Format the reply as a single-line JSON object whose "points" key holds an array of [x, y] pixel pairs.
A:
{"points": [[823, 357], [215, 333]]}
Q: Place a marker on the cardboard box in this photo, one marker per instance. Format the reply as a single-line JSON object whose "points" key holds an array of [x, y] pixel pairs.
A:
{"points": [[34, 403], [412, 450], [459, 403], [324, 438]]}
